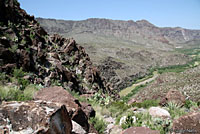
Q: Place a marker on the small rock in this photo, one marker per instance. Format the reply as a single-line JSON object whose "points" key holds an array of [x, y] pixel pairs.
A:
{"points": [[116, 130], [131, 101], [77, 129]]}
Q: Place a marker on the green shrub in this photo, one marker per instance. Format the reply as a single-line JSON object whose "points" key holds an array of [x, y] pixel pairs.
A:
{"points": [[144, 119], [99, 124], [18, 73], [13, 93], [3, 77], [175, 110], [117, 108], [189, 104], [30, 90], [13, 48], [23, 83], [146, 104]]}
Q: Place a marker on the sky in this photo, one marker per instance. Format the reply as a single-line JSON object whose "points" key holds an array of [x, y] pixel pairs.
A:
{"points": [[162, 13]]}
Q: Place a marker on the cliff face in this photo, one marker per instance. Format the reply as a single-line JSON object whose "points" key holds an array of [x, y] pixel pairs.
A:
{"points": [[47, 59]]}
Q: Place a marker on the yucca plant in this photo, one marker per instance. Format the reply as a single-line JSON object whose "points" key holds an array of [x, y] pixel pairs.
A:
{"points": [[175, 109]]}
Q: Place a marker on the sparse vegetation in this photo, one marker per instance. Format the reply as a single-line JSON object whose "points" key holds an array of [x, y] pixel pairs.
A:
{"points": [[133, 92], [18, 75], [99, 124], [146, 120], [175, 110], [13, 48], [191, 104], [13, 93], [117, 108], [146, 104]]}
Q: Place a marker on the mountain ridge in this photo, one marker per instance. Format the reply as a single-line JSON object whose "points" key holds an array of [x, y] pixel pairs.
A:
{"points": [[132, 28], [130, 20]]}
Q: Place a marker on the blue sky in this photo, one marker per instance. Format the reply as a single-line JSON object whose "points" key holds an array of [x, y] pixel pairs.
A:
{"points": [[163, 13]]}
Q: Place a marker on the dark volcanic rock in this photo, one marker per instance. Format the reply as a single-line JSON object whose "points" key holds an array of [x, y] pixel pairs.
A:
{"points": [[50, 59], [34, 117], [88, 109]]}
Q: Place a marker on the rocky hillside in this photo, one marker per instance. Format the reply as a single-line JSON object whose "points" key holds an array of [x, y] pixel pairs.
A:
{"points": [[47, 60], [185, 82], [126, 50], [128, 30]]}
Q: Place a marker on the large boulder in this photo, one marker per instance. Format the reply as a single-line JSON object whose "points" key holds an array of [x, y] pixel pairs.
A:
{"points": [[36, 117], [174, 96], [58, 95], [140, 130], [78, 113], [187, 124], [159, 112]]}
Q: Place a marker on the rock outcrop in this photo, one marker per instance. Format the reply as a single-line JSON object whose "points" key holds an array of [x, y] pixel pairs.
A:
{"points": [[50, 60], [187, 124], [77, 112], [174, 96], [38, 117]]}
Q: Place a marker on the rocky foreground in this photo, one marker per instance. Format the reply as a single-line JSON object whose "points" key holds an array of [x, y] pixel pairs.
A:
{"points": [[53, 111]]}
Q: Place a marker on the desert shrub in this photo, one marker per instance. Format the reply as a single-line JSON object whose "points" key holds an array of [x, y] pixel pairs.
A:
{"points": [[175, 110], [23, 83], [3, 77], [189, 104], [30, 90], [146, 104], [99, 124], [99, 98], [18, 74], [117, 108], [13, 93], [144, 119], [13, 48]]}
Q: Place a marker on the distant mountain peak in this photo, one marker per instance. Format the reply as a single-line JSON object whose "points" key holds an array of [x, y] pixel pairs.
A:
{"points": [[144, 22]]}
